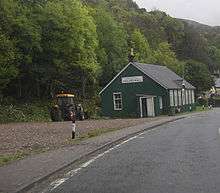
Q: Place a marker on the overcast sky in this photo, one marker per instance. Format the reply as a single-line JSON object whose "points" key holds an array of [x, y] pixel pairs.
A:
{"points": [[203, 11]]}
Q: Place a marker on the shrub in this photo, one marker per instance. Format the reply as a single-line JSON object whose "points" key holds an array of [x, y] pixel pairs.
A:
{"points": [[34, 112], [202, 101], [92, 107]]}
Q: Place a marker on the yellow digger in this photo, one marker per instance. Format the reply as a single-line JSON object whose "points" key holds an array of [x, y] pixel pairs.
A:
{"points": [[64, 105]]}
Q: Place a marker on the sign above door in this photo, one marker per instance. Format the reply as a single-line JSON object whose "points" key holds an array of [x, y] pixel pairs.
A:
{"points": [[132, 79]]}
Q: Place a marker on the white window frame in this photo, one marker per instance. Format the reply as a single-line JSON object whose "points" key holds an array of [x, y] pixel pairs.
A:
{"points": [[171, 98], [161, 102], [180, 97], [187, 97], [193, 96], [184, 97], [114, 101], [190, 102], [190, 97], [175, 98]]}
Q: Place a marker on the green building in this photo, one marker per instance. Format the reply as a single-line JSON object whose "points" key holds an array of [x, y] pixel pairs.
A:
{"points": [[146, 90]]}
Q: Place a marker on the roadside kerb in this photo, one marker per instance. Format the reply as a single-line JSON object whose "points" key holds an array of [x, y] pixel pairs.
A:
{"points": [[92, 153]]}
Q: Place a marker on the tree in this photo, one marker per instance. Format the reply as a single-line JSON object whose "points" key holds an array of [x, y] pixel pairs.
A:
{"points": [[149, 26], [165, 56], [113, 48], [195, 46], [173, 28], [24, 35], [198, 74], [143, 52], [8, 69], [214, 54], [69, 41], [52, 45]]}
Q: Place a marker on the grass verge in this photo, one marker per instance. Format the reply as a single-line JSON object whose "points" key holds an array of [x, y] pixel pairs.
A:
{"points": [[5, 159], [91, 134], [21, 154], [95, 133], [8, 158], [200, 109]]}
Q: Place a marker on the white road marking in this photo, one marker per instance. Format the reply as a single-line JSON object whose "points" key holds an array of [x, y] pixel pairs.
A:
{"points": [[71, 173], [57, 183], [219, 131]]}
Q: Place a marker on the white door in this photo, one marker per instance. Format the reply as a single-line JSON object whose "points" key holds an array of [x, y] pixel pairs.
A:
{"points": [[150, 107]]}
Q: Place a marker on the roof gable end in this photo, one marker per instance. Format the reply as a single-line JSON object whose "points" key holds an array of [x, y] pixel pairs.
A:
{"points": [[115, 78]]}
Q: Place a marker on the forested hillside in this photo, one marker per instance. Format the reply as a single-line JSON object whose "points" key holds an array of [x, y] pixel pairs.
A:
{"points": [[50, 45]]}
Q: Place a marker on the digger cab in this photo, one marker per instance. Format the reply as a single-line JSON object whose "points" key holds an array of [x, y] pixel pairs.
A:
{"points": [[65, 100], [66, 104]]}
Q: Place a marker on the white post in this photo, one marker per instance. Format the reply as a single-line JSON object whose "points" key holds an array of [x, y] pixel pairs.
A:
{"points": [[73, 130]]}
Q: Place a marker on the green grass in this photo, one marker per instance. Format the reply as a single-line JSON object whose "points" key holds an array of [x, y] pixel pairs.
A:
{"points": [[5, 159], [200, 109], [21, 154], [91, 134], [96, 132]]}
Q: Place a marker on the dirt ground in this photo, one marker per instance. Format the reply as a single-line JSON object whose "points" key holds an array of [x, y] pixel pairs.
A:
{"points": [[16, 137]]}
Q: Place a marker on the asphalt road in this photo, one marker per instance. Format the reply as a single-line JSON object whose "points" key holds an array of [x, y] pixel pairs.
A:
{"points": [[180, 157]]}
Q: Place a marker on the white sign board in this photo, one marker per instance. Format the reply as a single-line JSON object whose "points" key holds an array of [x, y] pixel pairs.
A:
{"points": [[132, 79]]}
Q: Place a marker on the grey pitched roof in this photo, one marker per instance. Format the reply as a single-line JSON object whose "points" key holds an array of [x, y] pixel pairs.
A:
{"points": [[160, 74], [217, 83], [163, 76]]}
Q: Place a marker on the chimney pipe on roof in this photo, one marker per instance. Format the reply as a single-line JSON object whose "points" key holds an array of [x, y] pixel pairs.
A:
{"points": [[131, 55]]}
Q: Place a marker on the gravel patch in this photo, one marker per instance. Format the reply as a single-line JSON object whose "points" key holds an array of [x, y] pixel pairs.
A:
{"points": [[31, 137]]}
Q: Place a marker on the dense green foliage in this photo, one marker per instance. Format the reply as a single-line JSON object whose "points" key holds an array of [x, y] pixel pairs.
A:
{"points": [[143, 52], [199, 75], [49, 45], [34, 112], [113, 47], [7, 62]]}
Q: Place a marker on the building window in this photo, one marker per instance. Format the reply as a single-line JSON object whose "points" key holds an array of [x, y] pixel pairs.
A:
{"points": [[187, 97], [171, 98], [191, 93], [117, 99], [193, 96], [176, 98], [190, 102], [161, 102], [184, 97], [190, 97], [180, 97]]}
